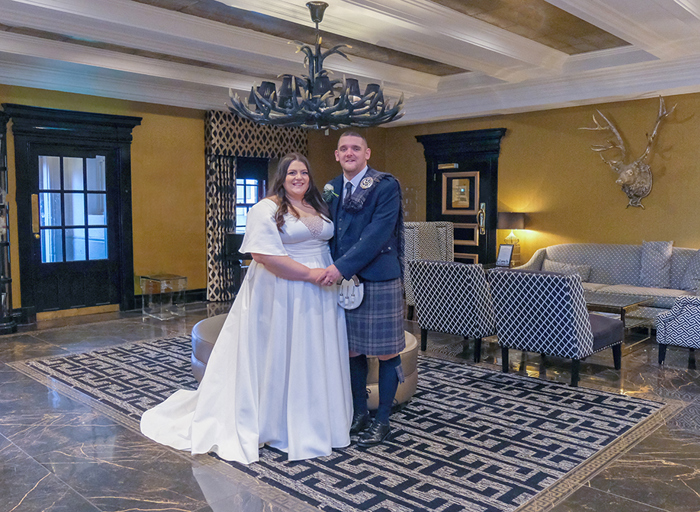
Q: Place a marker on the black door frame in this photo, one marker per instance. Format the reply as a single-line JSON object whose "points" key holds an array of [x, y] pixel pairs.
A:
{"points": [[32, 125], [473, 145]]}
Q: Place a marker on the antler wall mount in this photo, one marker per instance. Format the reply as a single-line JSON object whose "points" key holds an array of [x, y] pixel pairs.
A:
{"points": [[635, 177]]}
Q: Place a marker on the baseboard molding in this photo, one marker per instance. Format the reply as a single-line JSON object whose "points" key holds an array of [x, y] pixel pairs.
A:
{"points": [[29, 316], [24, 316]]}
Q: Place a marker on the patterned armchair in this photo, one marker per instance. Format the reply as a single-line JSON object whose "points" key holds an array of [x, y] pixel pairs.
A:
{"points": [[680, 326], [453, 298], [545, 312], [425, 241]]}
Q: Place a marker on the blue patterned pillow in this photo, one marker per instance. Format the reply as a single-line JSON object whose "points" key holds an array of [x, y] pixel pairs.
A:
{"points": [[567, 268], [691, 277], [656, 264]]}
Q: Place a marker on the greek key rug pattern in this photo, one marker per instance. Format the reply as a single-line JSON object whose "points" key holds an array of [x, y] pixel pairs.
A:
{"points": [[471, 439]]}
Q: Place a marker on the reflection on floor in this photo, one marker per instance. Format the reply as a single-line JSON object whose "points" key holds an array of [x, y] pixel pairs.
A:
{"points": [[59, 454]]}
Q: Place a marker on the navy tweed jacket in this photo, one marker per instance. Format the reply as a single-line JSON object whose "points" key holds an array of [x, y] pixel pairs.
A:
{"points": [[366, 243]]}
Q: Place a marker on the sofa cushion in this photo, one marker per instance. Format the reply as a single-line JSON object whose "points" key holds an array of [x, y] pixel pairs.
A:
{"points": [[592, 287], [663, 297], [656, 264], [691, 277], [567, 268]]}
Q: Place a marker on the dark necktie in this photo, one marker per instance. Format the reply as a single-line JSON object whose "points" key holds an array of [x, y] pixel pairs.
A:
{"points": [[348, 193]]}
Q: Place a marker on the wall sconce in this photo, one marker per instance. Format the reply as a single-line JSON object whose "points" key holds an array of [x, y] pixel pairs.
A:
{"points": [[512, 221]]}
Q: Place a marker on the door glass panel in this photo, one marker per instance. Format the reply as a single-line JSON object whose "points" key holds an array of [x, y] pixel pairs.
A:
{"points": [[51, 246], [50, 172], [75, 209], [75, 244], [50, 209], [72, 173], [96, 173], [97, 243], [97, 209]]}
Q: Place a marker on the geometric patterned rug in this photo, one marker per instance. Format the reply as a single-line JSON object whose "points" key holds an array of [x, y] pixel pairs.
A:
{"points": [[471, 439]]}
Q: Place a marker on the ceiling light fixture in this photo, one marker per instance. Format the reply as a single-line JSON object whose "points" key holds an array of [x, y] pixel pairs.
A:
{"points": [[315, 101]]}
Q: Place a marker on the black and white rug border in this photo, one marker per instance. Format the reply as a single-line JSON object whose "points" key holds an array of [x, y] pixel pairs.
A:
{"points": [[542, 502]]}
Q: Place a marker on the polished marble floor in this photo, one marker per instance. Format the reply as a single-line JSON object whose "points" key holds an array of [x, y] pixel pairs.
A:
{"points": [[59, 454]]}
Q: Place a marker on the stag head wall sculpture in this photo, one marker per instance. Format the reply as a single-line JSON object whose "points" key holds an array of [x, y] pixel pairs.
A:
{"points": [[635, 177]]}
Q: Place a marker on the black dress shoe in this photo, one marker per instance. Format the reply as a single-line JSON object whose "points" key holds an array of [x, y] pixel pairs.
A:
{"points": [[375, 434], [359, 423]]}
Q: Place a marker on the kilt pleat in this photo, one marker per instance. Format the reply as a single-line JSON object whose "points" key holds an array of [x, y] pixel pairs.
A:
{"points": [[376, 327]]}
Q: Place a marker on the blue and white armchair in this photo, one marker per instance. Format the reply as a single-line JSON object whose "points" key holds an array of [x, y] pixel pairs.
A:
{"points": [[452, 298], [545, 312], [679, 326]]}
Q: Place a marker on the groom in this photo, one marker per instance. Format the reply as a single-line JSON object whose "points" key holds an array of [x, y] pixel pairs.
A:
{"points": [[366, 208]]}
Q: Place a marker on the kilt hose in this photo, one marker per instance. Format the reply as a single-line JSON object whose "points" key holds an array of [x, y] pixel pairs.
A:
{"points": [[376, 328]]}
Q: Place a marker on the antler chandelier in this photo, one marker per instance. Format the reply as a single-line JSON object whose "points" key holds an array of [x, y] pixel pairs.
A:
{"points": [[314, 100]]}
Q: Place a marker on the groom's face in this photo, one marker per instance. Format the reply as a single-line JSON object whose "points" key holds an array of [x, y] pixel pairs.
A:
{"points": [[352, 153]]}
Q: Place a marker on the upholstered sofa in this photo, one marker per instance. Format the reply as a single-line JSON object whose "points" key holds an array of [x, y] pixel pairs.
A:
{"points": [[656, 269]]}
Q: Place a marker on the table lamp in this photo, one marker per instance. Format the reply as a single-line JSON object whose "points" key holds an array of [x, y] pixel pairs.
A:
{"points": [[512, 221]]}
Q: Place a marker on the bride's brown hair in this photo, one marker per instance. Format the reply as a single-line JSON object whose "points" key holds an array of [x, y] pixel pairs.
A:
{"points": [[312, 196]]}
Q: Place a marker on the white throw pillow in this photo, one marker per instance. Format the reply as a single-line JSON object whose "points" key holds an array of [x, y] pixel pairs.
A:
{"points": [[567, 268], [691, 277], [656, 264]]}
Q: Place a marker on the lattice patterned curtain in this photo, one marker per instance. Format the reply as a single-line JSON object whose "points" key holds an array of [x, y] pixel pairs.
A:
{"points": [[227, 137]]}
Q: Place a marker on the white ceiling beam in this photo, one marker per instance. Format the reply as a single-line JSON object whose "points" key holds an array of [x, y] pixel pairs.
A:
{"points": [[80, 79], [185, 36], [636, 81], [650, 25], [422, 28]]}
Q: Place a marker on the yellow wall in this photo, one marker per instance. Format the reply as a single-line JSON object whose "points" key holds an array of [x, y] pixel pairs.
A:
{"points": [[547, 169], [167, 175]]}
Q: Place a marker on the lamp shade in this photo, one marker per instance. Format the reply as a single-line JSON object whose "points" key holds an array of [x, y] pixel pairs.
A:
{"points": [[511, 220]]}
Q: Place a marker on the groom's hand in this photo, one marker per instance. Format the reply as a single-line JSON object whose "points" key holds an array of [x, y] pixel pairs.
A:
{"points": [[329, 276]]}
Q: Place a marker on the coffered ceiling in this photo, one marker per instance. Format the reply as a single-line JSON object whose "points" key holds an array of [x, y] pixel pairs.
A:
{"points": [[450, 58]]}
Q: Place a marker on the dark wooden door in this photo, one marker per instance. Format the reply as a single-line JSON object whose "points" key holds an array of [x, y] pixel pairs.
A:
{"points": [[73, 193], [462, 188], [73, 238]]}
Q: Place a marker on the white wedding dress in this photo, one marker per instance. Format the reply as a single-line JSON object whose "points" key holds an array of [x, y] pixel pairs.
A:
{"points": [[279, 372]]}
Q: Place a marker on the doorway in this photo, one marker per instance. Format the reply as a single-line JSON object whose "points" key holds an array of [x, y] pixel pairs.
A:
{"points": [[462, 188], [73, 208]]}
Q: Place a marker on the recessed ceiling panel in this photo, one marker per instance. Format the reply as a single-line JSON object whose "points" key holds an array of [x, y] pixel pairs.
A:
{"points": [[217, 11], [538, 21]]}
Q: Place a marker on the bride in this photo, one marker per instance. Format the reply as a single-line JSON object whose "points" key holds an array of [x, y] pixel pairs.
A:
{"points": [[279, 371]]}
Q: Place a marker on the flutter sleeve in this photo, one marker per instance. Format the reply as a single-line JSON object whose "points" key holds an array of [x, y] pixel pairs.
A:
{"points": [[261, 234]]}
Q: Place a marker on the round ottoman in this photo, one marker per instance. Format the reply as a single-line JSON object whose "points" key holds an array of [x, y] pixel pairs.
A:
{"points": [[205, 332]]}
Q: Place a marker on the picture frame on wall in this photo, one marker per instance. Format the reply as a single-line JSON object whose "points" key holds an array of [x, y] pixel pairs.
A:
{"points": [[505, 254], [460, 193]]}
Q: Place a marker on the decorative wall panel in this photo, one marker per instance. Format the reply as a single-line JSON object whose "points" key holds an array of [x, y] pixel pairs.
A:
{"points": [[228, 137]]}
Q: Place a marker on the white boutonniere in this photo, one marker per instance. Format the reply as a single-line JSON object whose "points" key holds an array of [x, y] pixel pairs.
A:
{"points": [[329, 193]]}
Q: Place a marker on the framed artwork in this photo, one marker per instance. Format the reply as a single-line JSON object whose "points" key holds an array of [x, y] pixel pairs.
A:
{"points": [[505, 253], [460, 193]]}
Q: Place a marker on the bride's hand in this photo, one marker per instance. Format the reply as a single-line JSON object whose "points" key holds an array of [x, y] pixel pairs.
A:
{"points": [[315, 275], [330, 276]]}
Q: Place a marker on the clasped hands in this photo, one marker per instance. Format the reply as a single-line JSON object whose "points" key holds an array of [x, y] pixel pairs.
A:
{"points": [[327, 276]]}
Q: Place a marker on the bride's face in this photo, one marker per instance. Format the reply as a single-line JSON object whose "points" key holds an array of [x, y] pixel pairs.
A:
{"points": [[297, 181]]}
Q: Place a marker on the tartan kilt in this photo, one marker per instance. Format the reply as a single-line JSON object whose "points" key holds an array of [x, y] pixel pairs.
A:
{"points": [[376, 327]]}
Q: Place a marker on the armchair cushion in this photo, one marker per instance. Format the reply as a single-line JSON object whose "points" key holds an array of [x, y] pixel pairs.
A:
{"points": [[656, 264], [606, 331]]}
